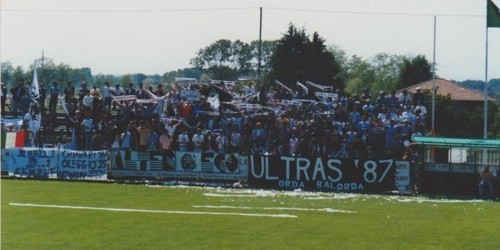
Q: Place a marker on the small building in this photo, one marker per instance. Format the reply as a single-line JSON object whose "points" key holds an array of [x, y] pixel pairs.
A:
{"points": [[452, 165], [445, 87], [464, 117]]}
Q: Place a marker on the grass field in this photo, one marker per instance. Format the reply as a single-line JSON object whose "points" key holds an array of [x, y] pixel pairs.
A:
{"points": [[78, 215]]}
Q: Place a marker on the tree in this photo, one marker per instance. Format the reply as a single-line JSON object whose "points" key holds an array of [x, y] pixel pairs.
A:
{"points": [[47, 73], [241, 57], [360, 75], [18, 74], [342, 60], [7, 74], [148, 82], [386, 71], [267, 50], [139, 78], [224, 59], [100, 79], [216, 54], [298, 58], [126, 80], [222, 72], [186, 72], [63, 72], [414, 70], [237, 59]]}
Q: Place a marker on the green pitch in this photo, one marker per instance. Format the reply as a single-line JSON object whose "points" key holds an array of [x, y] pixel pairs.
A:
{"points": [[77, 215]]}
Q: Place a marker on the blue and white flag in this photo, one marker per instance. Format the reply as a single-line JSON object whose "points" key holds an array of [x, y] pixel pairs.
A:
{"points": [[36, 117]]}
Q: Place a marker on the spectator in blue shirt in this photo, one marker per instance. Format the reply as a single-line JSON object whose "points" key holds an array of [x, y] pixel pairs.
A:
{"points": [[53, 97]]}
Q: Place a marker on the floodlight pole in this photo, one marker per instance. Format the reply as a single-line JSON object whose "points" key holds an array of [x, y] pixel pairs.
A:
{"points": [[260, 44]]}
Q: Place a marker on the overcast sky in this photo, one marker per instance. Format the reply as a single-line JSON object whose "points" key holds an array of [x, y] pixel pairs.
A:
{"points": [[156, 36]]}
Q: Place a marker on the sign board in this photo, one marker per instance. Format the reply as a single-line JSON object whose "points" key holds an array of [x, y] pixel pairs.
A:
{"points": [[402, 175], [320, 174], [183, 165]]}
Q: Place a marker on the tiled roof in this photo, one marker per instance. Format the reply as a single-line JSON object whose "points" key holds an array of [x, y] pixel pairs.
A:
{"points": [[445, 87]]}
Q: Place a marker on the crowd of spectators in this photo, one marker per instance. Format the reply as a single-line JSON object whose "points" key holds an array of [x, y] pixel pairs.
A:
{"points": [[200, 117]]}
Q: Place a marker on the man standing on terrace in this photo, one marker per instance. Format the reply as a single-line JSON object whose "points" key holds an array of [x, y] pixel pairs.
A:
{"points": [[17, 93], [106, 94], [197, 140], [3, 98], [258, 138], [54, 97]]}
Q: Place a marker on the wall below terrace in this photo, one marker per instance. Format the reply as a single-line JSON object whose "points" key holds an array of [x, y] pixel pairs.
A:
{"points": [[259, 171], [454, 183]]}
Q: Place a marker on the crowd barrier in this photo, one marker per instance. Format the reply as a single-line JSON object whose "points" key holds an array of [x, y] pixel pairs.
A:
{"points": [[259, 171]]}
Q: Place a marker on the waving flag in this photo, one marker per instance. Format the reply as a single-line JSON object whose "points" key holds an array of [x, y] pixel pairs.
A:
{"points": [[214, 102], [306, 90], [36, 115], [493, 15]]}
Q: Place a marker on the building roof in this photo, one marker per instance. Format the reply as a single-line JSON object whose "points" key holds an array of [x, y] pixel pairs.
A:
{"points": [[445, 87]]}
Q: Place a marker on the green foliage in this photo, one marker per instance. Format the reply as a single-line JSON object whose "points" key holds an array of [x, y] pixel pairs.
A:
{"points": [[227, 60], [48, 74], [377, 73], [100, 79], [222, 73], [222, 58], [216, 54], [386, 71], [414, 70], [125, 80], [342, 60], [267, 50], [241, 55], [61, 72], [360, 75], [18, 75], [493, 87], [459, 119], [7, 74], [298, 58], [389, 222], [186, 72]]}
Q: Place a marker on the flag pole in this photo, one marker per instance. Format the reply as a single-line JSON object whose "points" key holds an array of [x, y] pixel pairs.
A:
{"points": [[485, 129]]}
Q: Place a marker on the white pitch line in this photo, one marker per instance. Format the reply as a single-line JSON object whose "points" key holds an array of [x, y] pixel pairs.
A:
{"points": [[232, 195], [150, 211], [328, 210]]}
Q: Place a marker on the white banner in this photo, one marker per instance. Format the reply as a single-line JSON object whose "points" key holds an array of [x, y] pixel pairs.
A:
{"points": [[85, 165], [32, 162], [56, 163], [326, 95], [3, 162]]}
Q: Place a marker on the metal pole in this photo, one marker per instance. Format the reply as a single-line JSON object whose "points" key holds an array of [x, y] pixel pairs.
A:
{"points": [[485, 129], [433, 131], [42, 78], [260, 44]]}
